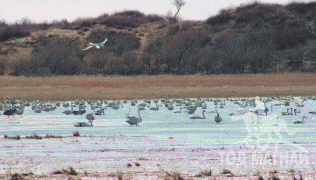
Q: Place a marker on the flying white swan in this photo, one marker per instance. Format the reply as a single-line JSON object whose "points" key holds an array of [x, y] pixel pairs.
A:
{"points": [[97, 45]]}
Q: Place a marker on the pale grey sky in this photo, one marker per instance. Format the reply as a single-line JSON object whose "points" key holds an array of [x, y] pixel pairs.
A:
{"points": [[41, 10]]}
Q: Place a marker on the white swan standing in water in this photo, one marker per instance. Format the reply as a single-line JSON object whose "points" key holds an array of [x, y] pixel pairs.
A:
{"points": [[170, 107], [90, 118], [217, 118], [97, 45], [300, 122], [198, 117], [177, 111], [155, 108], [134, 120]]}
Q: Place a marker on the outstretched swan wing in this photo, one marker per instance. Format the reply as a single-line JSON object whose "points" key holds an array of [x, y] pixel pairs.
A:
{"points": [[106, 39], [87, 47]]}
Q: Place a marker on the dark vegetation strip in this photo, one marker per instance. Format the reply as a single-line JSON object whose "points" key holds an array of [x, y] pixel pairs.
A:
{"points": [[253, 38]]}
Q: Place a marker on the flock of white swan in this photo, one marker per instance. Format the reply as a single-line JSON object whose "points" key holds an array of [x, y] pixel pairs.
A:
{"points": [[255, 106]]}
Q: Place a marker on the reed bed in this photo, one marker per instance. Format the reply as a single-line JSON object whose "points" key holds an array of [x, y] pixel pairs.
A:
{"points": [[155, 87]]}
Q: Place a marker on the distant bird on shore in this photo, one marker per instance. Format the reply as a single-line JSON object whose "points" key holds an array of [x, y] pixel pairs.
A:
{"points": [[300, 122], [217, 118], [198, 117], [133, 119], [97, 45], [177, 111], [10, 112], [83, 124]]}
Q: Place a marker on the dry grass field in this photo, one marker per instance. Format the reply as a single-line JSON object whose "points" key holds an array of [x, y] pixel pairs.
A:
{"points": [[156, 87]]}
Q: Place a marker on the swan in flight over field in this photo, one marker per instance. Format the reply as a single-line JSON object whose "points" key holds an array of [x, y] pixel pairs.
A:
{"points": [[97, 45]]}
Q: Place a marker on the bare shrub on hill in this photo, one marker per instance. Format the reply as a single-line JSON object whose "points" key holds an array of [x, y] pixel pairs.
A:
{"points": [[264, 12], [55, 56], [181, 53], [154, 18], [228, 48], [103, 15], [63, 24], [131, 13], [310, 66], [97, 62], [9, 32], [123, 43], [224, 16], [128, 21], [83, 22], [301, 7], [41, 26], [289, 38], [207, 60], [133, 63]]}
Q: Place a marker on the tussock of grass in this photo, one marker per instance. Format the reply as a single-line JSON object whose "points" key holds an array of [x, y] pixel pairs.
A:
{"points": [[16, 176], [260, 177], [52, 136], [173, 176], [72, 171], [273, 177], [119, 175], [34, 136], [17, 137], [227, 172], [76, 133], [64, 171], [204, 173]]}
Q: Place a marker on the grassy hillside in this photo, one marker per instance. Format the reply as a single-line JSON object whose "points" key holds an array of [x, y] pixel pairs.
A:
{"points": [[253, 38]]}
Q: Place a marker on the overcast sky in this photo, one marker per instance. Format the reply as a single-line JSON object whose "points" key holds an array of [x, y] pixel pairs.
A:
{"points": [[48, 10]]}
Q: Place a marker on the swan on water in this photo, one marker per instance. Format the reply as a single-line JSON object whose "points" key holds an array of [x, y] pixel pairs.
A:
{"points": [[300, 122], [177, 111], [155, 108], [198, 117], [217, 118], [134, 120]]}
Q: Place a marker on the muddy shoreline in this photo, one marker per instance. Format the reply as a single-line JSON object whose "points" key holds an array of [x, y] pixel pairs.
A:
{"points": [[89, 158]]}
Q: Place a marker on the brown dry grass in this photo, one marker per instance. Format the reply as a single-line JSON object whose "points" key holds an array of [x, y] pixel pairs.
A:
{"points": [[154, 87]]}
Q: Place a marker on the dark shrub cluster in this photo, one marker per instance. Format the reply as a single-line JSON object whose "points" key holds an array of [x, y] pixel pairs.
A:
{"points": [[13, 31], [113, 21], [132, 13], [63, 24], [154, 18], [263, 12], [301, 8], [223, 17], [289, 38], [80, 23]]}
